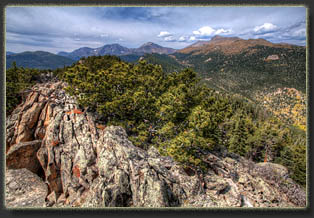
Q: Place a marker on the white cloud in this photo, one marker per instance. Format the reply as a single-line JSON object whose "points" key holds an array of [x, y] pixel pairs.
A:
{"points": [[169, 39], [192, 38], [221, 31], [300, 32], [164, 34], [96, 26], [204, 31], [266, 27], [182, 39]]}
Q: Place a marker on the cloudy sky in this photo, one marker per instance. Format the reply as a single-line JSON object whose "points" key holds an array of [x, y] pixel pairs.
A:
{"points": [[56, 29]]}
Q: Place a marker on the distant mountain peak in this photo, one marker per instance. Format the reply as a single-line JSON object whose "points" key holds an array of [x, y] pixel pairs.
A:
{"points": [[117, 49], [113, 44], [150, 47], [150, 44], [199, 43], [218, 38], [228, 45]]}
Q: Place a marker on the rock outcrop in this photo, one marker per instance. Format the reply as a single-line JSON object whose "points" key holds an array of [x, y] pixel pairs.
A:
{"points": [[86, 164]]}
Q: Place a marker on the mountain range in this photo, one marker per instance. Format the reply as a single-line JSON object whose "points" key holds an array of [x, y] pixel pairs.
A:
{"points": [[227, 64], [180, 58], [37, 59], [46, 60], [116, 49]]}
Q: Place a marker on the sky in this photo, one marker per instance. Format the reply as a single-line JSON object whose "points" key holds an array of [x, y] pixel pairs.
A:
{"points": [[56, 29]]}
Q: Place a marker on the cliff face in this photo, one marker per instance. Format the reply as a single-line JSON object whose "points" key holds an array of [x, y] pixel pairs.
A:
{"points": [[77, 161]]}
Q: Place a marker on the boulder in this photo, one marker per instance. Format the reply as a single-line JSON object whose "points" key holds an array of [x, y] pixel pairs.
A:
{"points": [[23, 155], [24, 189]]}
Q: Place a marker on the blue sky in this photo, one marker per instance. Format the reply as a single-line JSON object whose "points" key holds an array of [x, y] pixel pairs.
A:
{"points": [[56, 29]]}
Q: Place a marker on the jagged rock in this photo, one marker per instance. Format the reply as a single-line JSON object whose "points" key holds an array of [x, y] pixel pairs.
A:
{"points": [[24, 189], [272, 57], [23, 155], [51, 199], [271, 169], [88, 166], [278, 176]]}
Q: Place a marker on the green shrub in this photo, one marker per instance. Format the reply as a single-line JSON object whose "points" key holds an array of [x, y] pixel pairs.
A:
{"points": [[17, 80]]}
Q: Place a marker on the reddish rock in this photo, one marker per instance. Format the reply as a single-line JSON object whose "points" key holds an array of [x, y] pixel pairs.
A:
{"points": [[52, 198], [23, 155], [29, 118], [76, 171]]}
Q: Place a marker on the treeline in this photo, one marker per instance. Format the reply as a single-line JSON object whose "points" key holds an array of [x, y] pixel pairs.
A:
{"points": [[17, 80], [243, 73], [181, 118], [169, 64]]}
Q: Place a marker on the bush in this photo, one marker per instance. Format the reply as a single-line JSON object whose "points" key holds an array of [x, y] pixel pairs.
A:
{"points": [[17, 80]]}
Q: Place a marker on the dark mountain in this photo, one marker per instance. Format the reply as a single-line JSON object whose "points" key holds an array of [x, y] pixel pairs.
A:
{"points": [[168, 62], [113, 49], [9, 53], [79, 53], [38, 59], [63, 53], [149, 48], [131, 58], [118, 50]]}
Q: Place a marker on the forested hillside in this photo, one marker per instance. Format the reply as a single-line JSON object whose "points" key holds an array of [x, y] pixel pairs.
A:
{"points": [[38, 59], [252, 72], [246, 72]]}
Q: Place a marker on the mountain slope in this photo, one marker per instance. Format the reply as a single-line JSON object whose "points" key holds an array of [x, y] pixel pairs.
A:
{"points": [[38, 59], [251, 68], [116, 49], [228, 45], [78, 53], [10, 53], [150, 47], [113, 49], [241, 66]]}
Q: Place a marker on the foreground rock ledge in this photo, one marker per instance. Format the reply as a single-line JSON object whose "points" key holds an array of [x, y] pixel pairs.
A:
{"points": [[24, 189], [84, 165]]}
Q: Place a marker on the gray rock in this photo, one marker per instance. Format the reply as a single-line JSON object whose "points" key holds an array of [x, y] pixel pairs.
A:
{"points": [[24, 189]]}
